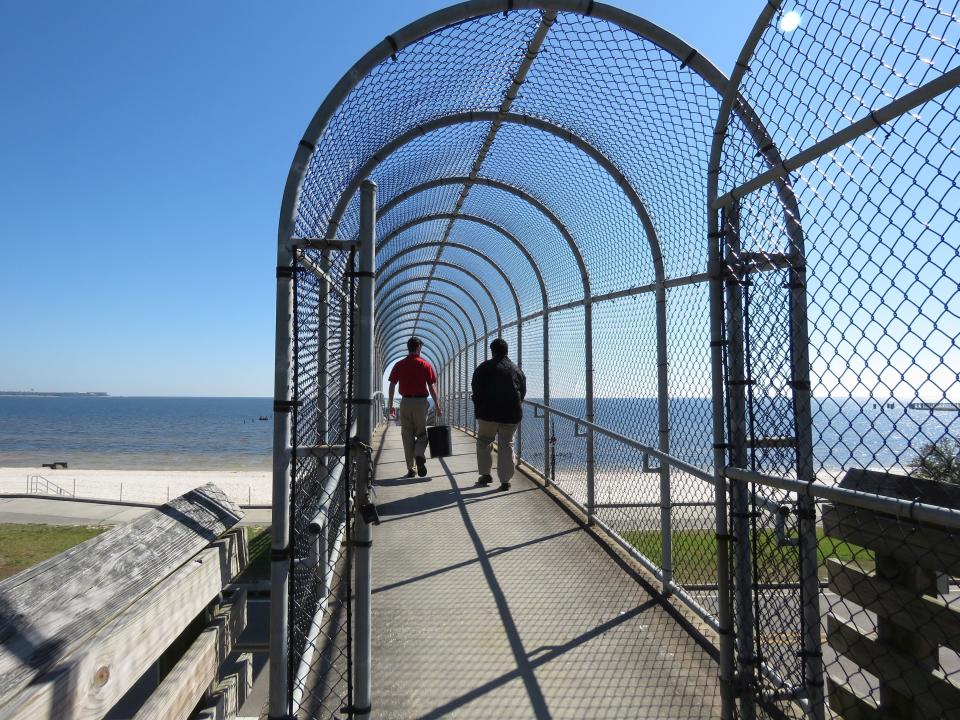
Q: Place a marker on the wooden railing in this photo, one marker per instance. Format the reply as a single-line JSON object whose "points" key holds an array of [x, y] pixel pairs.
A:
{"points": [[149, 604], [900, 578]]}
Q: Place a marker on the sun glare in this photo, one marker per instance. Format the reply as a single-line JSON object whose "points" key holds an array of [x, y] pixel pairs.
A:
{"points": [[790, 21]]}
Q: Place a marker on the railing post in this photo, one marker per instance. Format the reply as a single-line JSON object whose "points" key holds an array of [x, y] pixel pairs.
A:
{"points": [[590, 414], [459, 386], [547, 475], [279, 696], [363, 406], [519, 356], [737, 381], [806, 506], [323, 360], [663, 420], [717, 341]]}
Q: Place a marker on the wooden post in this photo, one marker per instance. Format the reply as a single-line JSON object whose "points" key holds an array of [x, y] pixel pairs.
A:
{"points": [[913, 645]]}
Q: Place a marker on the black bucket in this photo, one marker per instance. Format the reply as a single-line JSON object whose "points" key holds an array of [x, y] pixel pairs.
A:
{"points": [[440, 439]]}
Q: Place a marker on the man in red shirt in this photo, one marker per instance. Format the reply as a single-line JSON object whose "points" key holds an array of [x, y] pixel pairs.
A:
{"points": [[417, 379]]}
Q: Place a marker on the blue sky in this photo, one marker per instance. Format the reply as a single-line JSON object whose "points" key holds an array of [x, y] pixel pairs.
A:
{"points": [[143, 151]]}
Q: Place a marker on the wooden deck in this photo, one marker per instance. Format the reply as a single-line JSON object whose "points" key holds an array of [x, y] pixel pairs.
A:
{"points": [[492, 604]]}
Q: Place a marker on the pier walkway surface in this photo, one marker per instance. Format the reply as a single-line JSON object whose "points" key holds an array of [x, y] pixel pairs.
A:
{"points": [[490, 604]]}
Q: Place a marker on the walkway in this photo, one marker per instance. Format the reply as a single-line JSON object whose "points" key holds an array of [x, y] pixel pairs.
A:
{"points": [[490, 604]]}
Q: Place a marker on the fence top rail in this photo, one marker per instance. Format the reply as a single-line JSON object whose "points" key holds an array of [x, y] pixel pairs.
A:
{"points": [[912, 510], [654, 452]]}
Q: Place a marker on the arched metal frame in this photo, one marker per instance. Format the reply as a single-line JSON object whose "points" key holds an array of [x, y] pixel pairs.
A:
{"points": [[458, 268], [415, 32], [385, 324], [689, 58], [433, 293], [400, 315], [453, 374], [438, 330], [388, 298]]}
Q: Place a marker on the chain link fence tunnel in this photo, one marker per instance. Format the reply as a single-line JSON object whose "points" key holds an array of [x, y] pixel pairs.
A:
{"points": [[734, 297]]}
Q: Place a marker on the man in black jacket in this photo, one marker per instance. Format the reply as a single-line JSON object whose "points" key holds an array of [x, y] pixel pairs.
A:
{"points": [[498, 387]]}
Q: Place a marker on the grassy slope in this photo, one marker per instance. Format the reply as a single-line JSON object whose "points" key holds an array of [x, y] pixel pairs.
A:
{"points": [[695, 554], [22, 546]]}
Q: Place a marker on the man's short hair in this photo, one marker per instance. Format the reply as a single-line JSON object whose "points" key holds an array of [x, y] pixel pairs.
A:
{"points": [[499, 347], [414, 344]]}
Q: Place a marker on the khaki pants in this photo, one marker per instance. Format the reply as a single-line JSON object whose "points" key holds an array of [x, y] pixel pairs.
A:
{"points": [[413, 428], [503, 433]]}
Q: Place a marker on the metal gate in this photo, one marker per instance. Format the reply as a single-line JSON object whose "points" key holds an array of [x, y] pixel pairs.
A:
{"points": [[320, 633], [773, 558]]}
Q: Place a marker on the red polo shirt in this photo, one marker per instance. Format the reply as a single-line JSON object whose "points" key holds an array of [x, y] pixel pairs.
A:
{"points": [[413, 373]]}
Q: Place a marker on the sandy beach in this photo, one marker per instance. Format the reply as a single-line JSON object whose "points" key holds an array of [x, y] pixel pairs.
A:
{"points": [[149, 486]]}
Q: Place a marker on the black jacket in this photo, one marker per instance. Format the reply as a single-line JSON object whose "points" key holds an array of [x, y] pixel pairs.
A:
{"points": [[499, 388]]}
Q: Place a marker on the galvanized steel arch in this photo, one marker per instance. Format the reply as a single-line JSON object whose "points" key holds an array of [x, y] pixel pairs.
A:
{"points": [[529, 121], [452, 266], [469, 218], [439, 333], [466, 248], [458, 286], [421, 28], [390, 326], [438, 295], [384, 323]]}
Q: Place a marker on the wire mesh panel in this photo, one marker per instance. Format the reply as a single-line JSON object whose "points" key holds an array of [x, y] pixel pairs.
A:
{"points": [[320, 491], [574, 152], [845, 265]]}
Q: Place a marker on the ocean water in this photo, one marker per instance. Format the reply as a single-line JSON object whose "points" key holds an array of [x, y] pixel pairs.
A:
{"points": [[152, 433], [880, 433], [137, 433]]}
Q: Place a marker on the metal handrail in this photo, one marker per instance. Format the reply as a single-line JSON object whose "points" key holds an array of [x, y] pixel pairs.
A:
{"points": [[636, 444], [907, 509]]}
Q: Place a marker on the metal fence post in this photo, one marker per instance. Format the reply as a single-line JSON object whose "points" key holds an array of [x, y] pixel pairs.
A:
{"points": [[461, 384], [717, 342], [519, 356], [663, 421], [279, 695], [547, 476], [590, 414], [323, 360], [806, 506], [737, 381], [363, 404]]}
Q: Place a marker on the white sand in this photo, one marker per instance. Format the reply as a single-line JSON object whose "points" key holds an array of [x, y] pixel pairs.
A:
{"points": [[151, 486]]}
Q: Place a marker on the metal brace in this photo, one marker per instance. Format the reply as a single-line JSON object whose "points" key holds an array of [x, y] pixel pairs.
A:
{"points": [[646, 465]]}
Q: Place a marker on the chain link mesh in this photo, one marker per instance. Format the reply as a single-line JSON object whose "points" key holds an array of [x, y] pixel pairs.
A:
{"points": [[850, 262], [840, 312], [320, 577]]}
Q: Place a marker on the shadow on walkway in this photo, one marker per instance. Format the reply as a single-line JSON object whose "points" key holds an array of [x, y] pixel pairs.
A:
{"points": [[495, 604]]}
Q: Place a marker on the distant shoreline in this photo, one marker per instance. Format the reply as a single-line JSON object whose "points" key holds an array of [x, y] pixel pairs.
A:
{"points": [[31, 393]]}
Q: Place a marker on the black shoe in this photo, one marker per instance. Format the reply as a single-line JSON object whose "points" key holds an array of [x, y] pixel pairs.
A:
{"points": [[484, 480], [411, 473], [504, 486], [421, 466]]}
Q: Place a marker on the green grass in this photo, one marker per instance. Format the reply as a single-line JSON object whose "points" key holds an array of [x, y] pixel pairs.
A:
{"points": [[22, 546], [258, 542], [695, 555]]}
